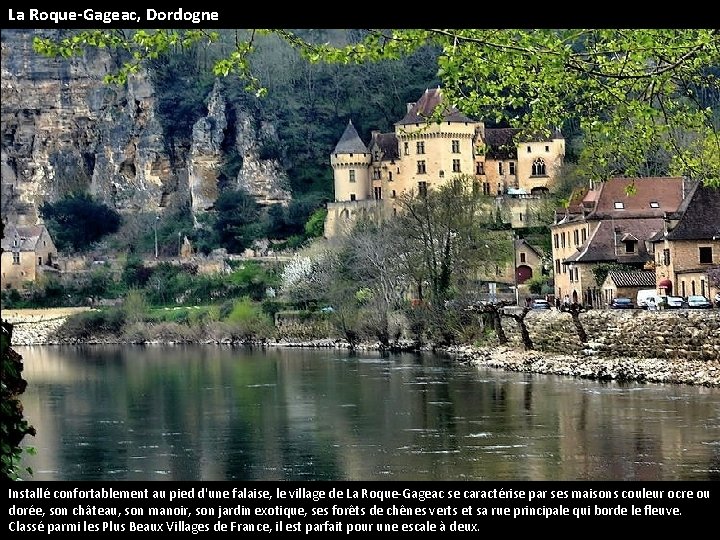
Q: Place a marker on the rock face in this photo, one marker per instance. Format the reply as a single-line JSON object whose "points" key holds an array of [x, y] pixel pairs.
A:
{"points": [[64, 130]]}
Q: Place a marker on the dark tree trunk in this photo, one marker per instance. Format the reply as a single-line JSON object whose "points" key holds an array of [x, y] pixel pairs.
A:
{"points": [[575, 310], [520, 319]]}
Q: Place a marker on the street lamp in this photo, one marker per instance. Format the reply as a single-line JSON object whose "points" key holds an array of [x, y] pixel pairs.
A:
{"points": [[157, 218]]}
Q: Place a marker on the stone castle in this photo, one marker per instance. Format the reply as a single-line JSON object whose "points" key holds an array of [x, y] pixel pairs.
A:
{"points": [[423, 153]]}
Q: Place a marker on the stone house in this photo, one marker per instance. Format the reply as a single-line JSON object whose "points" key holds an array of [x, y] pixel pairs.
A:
{"points": [[418, 156], [620, 284], [611, 225], [28, 253], [688, 246]]}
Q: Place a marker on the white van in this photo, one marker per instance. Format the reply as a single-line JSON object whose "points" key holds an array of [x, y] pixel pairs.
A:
{"points": [[643, 295]]}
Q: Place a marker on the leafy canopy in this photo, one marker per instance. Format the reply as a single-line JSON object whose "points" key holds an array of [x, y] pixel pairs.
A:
{"points": [[631, 91]]}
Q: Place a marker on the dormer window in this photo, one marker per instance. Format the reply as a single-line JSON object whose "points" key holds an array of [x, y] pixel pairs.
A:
{"points": [[654, 204], [630, 246], [619, 205]]}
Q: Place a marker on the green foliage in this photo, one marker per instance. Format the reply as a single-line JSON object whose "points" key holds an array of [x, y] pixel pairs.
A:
{"points": [[237, 220], [315, 226], [537, 283], [135, 306], [600, 271], [93, 324], [76, 222], [248, 321]]}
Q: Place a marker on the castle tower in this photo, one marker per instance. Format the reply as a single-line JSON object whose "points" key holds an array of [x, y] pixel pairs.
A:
{"points": [[351, 167]]}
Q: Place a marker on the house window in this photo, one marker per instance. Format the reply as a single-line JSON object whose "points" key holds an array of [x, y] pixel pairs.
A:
{"points": [[407, 148], [521, 217], [422, 188], [512, 167], [16, 257], [692, 287], [557, 240], [682, 288], [557, 266], [666, 257], [630, 246], [538, 167], [480, 168], [706, 255], [576, 236], [352, 175], [39, 261], [456, 165], [571, 275], [500, 167], [378, 193], [522, 257], [421, 167], [702, 287], [619, 205], [455, 147], [562, 240], [486, 188], [376, 174], [577, 274], [420, 147], [584, 235], [352, 196]]}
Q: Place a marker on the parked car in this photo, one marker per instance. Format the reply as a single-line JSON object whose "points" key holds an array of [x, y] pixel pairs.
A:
{"points": [[675, 302], [540, 304], [622, 303], [698, 302], [717, 300]]}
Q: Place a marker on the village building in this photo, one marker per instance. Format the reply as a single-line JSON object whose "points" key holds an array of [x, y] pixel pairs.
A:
{"points": [[422, 154], [613, 223], [28, 252], [621, 284], [688, 246]]}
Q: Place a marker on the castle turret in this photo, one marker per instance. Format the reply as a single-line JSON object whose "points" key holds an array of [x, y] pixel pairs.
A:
{"points": [[350, 162]]}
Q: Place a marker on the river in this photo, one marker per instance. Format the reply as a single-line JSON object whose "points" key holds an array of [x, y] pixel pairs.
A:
{"points": [[222, 413]]}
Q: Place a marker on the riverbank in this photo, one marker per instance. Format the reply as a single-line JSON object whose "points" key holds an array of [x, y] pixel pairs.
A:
{"points": [[38, 327]]}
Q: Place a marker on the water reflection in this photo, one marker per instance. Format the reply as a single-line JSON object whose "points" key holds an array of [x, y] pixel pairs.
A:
{"points": [[213, 413]]}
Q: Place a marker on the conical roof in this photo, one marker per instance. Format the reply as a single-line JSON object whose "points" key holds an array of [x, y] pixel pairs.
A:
{"points": [[350, 142]]}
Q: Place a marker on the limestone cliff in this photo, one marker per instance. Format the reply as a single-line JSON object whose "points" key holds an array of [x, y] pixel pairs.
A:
{"points": [[64, 130]]}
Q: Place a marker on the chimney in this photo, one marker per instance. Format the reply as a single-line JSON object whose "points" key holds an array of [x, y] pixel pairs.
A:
{"points": [[409, 106]]}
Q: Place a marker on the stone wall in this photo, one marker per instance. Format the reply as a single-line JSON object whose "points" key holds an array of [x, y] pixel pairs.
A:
{"points": [[690, 334]]}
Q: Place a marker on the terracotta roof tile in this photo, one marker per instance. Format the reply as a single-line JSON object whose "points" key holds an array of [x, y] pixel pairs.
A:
{"points": [[653, 197], [700, 216]]}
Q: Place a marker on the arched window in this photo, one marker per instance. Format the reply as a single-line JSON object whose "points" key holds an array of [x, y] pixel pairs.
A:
{"points": [[538, 167]]}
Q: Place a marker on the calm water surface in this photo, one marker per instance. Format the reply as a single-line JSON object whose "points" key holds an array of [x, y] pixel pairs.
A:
{"points": [[214, 413]]}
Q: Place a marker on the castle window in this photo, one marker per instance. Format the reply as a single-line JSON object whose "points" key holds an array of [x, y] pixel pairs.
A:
{"points": [[529, 149], [456, 165], [16, 257], [666, 257], [407, 148], [480, 168], [562, 240], [538, 167], [500, 167], [352, 196], [557, 266], [557, 240], [512, 167], [420, 147], [486, 188], [421, 167], [706, 255], [376, 174], [377, 191], [547, 148], [455, 147], [389, 176], [39, 261], [352, 175], [422, 189], [441, 174], [392, 194], [576, 235]]}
